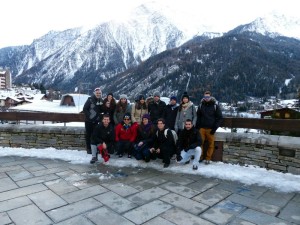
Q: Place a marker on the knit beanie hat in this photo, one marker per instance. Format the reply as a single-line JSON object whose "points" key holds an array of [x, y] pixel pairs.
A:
{"points": [[185, 95], [123, 96], [141, 97], [127, 116], [173, 98], [156, 94], [147, 116]]}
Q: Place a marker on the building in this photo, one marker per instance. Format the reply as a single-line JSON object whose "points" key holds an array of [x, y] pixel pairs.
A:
{"points": [[284, 113], [5, 79]]}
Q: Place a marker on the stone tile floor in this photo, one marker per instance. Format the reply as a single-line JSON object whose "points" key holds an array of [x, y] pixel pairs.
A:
{"points": [[43, 191]]}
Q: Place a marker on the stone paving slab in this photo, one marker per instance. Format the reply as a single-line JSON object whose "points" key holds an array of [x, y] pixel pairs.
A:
{"points": [[180, 189], [60, 186], [47, 200], [7, 184], [106, 216], [148, 183], [21, 192], [261, 218], [158, 221], [14, 203], [36, 180], [29, 215], [121, 189], [271, 197], [254, 204], [83, 194], [146, 212], [115, 202], [212, 196], [186, 204], [147, 195], [71, 210], [238, 221], [181, 217], [4, 219], [203, 184], [77, 220], [291, 212], [223, 212], [17, 175]]}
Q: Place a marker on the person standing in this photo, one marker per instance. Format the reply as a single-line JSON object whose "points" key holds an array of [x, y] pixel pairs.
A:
{"points": [[186, 110], [189, 143], [171, 113], [92, 112], [139, 109], [209, 119], [103, 136], [126, 133], [163, 146], [122, 107], [109, 106], [156, 108]]}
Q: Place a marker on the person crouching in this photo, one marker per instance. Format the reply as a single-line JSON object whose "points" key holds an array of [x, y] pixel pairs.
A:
{"points": [[102, 137], [126, 133], [189, 143]]}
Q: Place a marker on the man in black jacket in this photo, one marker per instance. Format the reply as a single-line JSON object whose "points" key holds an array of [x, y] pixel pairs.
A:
{"points": [[209, 118], [92, 111], [171, 113], [163, 146], [156, 108], [189, 143], [103, 136]]}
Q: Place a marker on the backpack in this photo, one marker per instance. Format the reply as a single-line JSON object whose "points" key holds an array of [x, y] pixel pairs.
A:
{"points": [[174, 134]]}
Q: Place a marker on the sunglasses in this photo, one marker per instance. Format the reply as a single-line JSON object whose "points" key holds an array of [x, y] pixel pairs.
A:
{"points": [[126, 119]]}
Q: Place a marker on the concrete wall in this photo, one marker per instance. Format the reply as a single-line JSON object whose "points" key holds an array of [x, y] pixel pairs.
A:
{"points": [[279, 153]]}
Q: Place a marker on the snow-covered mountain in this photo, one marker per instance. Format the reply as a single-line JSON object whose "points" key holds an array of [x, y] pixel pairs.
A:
{"points": [[64, 60], [273, 25]]}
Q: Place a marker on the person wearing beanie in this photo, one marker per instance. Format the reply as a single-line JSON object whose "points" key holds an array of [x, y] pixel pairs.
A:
{"points": [[92, 110], [122, 107], [186, 110], [126, 133], [145, 134], [156, 108], [209, 119], [171, 113], [139, 109]]}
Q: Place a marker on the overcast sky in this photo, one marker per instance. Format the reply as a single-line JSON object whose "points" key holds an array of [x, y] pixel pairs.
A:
{"points": [[22, 21]]}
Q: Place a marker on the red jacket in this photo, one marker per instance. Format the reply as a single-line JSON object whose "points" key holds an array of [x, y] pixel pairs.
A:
{"points": [[129, 134]]}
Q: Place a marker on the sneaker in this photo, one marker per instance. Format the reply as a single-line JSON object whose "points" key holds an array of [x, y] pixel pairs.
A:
{"points": [[187, 162], [166, 165], [207, 162], [195, 167], [120, 155], [93, 160]]}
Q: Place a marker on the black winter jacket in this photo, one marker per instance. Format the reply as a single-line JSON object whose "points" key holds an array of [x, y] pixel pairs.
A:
{"points": [[209, 115], [189, 139], [170, 115], [156, 110], [92, 109], [103, 134]]}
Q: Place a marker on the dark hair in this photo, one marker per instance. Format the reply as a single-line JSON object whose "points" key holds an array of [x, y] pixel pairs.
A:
{"points": [[207, 93], [161, 120], [189, 120], [106, 115]]}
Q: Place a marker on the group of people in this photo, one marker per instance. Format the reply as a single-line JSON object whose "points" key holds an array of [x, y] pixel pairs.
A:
{"points": [[148, 130]]}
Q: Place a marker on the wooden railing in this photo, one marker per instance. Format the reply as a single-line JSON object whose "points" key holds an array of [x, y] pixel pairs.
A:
{"points": [[262, 124]]}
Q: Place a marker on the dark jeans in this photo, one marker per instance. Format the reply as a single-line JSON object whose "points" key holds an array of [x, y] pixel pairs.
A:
{"points": [[165, 154], [141, 152], [89, 128], [124, 146]]}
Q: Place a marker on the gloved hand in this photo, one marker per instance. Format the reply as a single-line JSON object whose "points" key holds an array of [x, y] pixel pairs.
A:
{"points": [[213, 131], [178, 158]]}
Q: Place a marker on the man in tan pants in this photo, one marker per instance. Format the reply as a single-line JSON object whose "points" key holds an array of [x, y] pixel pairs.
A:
{"points": [[209, 118]]}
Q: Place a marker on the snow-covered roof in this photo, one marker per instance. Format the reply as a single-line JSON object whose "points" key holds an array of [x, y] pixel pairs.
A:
{"points": [[79, 99]]}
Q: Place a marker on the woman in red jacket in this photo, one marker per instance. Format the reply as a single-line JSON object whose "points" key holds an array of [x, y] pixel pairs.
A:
{"points": [[126, 133]]}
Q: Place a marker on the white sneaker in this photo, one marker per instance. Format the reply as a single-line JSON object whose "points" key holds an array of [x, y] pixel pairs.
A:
{"points": [[207, 162]]}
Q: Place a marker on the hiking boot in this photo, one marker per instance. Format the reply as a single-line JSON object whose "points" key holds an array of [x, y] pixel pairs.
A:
{"points": [[88, 151], [93, 160], [129, 156], [187, 162], [166, 165], [120, 155], [195, 167]]}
